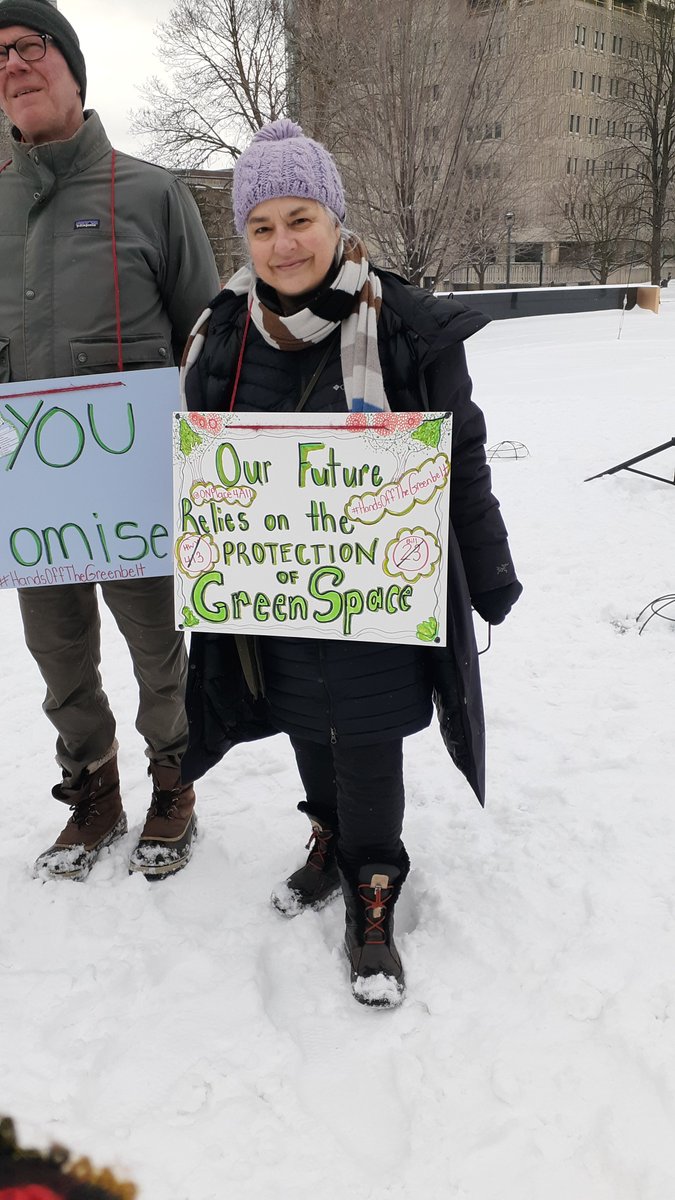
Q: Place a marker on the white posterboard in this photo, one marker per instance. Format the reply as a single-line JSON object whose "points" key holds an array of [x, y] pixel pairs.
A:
{"points": [[323, 525], [85, 478]]}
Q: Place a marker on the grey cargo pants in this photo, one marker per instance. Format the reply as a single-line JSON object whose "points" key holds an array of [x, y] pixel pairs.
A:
{"points": [[63, 633]]}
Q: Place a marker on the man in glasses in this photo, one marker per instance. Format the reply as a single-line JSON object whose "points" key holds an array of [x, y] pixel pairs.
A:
{"points": [[86, 287]]}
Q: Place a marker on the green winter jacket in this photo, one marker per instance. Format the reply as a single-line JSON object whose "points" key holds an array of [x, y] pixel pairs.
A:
{"points": [[57, 260]]}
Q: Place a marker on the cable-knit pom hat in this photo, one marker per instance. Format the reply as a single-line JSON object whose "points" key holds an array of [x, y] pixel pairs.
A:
{"points": [[43, 17], [281, 161]]}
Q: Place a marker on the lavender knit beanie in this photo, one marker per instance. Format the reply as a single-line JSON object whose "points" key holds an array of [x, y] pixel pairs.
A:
{"points": [[281, 161]]}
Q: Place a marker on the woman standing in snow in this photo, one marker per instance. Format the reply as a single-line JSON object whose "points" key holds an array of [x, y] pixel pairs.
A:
{"points": [[312, 325]]}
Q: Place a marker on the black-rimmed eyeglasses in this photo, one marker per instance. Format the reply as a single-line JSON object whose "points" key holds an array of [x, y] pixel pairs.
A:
{"points": [[31, 48]]}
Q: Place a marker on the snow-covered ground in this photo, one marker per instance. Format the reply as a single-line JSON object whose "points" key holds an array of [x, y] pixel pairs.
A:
{"points": [[190, 1036]]}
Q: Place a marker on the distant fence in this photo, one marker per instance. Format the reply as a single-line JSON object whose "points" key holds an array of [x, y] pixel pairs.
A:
{"points": [[506, 303], [536, 275]]}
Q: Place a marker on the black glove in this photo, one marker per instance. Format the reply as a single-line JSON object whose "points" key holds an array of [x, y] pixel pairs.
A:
{"points": [[495, 605]]}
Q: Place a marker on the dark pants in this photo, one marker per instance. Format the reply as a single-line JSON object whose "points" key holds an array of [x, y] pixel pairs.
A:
{"points": [[359, 788], [62, 628]]}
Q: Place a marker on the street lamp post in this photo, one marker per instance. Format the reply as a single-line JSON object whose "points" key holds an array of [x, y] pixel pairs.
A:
{"points": [[509, 218]]}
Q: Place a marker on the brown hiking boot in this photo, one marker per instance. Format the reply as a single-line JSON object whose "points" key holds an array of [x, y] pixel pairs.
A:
{"points": [[97, 820], [315, 884], [165, 845]]}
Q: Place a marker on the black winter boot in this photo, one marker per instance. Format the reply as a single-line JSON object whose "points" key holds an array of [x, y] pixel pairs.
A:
{"points": [[370, 896], [315, 884]]}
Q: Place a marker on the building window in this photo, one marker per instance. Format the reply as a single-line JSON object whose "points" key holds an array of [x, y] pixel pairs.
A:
{"points": [[649, 53], [475, 133], [613, 87], [580, 35], [608, 168], [577, 81], [634, 49], [617, 43], [587, 210], [572, 166], [596, 84], [590, 166], [598, 40], [575, 122], [593, 124], [611, 129], [628, 129], [569, 209]]}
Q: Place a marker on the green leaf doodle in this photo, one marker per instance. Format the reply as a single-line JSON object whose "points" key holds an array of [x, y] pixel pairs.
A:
{"points": [[429, 432], [189, 617], [427, 630], [188, 438]]}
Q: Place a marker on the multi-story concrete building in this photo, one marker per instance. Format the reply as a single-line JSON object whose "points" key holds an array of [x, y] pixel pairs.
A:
{"points": [[567, 120], [544, 112]]}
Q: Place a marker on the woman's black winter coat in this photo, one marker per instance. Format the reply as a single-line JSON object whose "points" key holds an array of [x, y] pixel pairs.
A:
{"points": [[424, 367]]}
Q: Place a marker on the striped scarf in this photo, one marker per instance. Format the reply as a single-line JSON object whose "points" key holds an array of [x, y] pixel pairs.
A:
{"points": [[351, 302]]}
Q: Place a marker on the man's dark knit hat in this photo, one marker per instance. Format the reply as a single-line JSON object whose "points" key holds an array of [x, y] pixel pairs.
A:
{"points": [[43, 17]]}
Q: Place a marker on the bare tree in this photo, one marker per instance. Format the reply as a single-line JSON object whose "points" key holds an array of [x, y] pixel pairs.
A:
{"points": [[327, 57], [418, 116], [226, 77], [646, 122], [404, 98], [478, 224], [600, 215]]}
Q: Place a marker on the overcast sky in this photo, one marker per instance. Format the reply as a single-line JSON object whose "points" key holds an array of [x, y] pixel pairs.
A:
{"points": [[118, 45]]}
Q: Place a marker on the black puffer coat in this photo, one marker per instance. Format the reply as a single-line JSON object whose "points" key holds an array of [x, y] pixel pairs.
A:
{"points": [[358, 692]]}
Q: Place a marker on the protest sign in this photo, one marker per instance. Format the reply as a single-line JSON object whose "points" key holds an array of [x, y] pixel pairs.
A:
{"points": [[323, 525], [85, 478]]}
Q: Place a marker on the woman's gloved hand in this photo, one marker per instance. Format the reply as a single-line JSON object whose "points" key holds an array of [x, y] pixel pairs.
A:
{"points": [[495, 605]]}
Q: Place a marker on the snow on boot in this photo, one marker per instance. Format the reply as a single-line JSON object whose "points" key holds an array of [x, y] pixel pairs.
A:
{"points": [[165, 844], [318, 882], [376, 972], [97, 820]]}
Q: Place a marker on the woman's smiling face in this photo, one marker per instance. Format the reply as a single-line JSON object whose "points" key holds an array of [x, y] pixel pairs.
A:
{"points": [[292, 243]]}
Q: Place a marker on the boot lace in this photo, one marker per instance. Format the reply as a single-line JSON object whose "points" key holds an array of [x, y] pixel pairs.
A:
{"points": [[163, 803], [85, 809], [318, 848], [375, 900], [83, 812]]}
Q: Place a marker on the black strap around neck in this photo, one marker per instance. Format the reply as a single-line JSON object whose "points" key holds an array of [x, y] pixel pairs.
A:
{"points": [[317, 374]]}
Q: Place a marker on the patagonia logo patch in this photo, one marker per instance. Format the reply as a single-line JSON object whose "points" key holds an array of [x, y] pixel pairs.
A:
{"points": [[88, 223]]}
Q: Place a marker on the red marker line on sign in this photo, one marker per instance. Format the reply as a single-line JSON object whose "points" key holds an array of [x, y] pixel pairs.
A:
{"points": [[303, 428], [81, 387]]}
